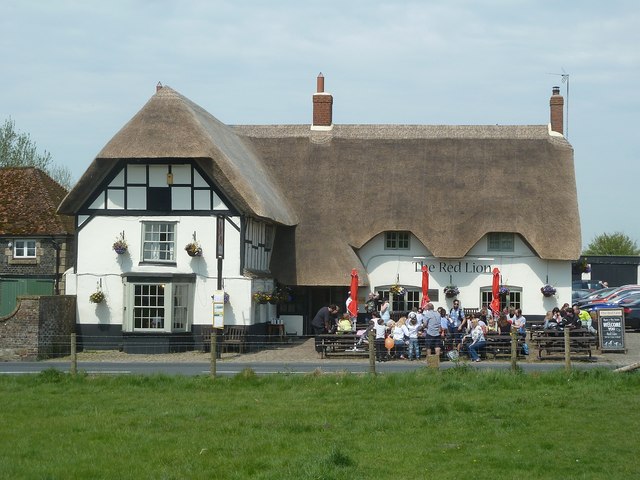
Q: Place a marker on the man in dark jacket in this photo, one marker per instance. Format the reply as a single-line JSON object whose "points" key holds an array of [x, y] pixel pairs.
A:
{"points": [[321, 323]]}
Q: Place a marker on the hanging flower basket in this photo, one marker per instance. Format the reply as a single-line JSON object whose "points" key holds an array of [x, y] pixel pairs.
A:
{"points": [[581, 266], [451, 291], [262, 297], [226, 297], [96, 297], [120, 245], [503, 292], [397, 290], [548, 290], [193, 249]]}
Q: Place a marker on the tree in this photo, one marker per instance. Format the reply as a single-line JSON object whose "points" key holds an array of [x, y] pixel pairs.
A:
{"points": [[18, 150], [615, 244]]}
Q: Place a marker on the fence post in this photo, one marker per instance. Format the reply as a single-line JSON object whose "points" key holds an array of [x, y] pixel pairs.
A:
{"points": [[514, 349], [372, 353], [214, 347], [74, 355], [567, 349]]}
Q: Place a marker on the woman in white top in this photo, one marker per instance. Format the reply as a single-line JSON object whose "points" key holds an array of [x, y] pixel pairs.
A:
{"points": [[399, 332], [478, 341]]}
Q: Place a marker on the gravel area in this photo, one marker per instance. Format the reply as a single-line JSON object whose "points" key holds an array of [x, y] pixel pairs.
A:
{"points": [[302, 350]]}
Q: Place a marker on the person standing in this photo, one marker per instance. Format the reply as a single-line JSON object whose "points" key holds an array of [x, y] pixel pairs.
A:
{"points": [[433, 330], [385, 310], [322, 323], [456, 315]]}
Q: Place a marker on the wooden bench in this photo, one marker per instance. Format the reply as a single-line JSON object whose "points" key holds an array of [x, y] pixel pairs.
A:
{"points": [[345, 345], [500, 345], [234, 336], [581, 341]]}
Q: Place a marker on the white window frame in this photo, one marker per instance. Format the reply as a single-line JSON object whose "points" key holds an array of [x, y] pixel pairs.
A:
{"points": [[514, 299], [174, 307], [154, 246], [24, 248]]}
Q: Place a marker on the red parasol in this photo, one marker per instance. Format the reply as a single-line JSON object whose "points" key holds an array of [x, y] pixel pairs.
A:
{"points": [[353, 293], [495, 289], [425, 286]]}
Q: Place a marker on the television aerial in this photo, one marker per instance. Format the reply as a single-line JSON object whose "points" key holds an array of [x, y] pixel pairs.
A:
{"points": [[565, 79]]}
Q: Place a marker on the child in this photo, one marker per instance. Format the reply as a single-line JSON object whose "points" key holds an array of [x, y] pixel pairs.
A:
{"points": [[344, 325], [414, 348], [380, 330]]}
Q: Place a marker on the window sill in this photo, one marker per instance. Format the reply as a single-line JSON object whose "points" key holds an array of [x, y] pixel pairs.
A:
{"points": [[158, 264], [22, 261]]}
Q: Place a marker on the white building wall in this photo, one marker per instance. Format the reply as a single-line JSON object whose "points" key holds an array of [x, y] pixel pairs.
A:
{"points": [[520, 268], [99, 266]]}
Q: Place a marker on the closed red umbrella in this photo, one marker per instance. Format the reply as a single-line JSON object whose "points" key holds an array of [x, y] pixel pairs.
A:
{"points": [[425, 286], [495, 289], [353, 293]]}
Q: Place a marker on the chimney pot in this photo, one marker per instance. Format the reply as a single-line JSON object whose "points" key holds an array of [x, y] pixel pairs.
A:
{"points": [[556, 90], [320, 83], [158, 87]]}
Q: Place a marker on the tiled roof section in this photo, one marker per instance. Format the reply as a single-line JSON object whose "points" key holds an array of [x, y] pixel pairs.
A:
{"points": [[28, 202]]}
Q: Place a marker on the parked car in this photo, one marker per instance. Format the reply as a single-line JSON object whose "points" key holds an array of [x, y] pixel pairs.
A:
{"points": [[630, 305], [579, 294], [598, 294], [615, 293], [591, 285]]}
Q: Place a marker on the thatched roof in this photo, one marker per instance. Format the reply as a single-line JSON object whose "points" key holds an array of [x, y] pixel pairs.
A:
{"points": [[448, 185], [172, 126], [28, 201]]}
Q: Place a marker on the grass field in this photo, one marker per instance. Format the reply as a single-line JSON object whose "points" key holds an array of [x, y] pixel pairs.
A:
{"points": [[459, 423]]}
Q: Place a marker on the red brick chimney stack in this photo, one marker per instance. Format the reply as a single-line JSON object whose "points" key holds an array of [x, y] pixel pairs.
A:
{"points": [[322, 105], [556, 105]]}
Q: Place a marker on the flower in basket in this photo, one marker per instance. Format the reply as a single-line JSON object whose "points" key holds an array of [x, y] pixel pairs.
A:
{"points": [[548, 290], [120, 245], [398, 290], [581, 266], [262, 297], [503, 291], [194, 249], [96, 297], [451, 291]]}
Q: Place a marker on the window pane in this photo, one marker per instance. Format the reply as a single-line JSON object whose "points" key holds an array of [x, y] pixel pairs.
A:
{"points": [[180, 306], [24, 248], [148, 310], [158, 242]]}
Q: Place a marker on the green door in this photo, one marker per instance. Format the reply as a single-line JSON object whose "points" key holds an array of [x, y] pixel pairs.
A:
{"points": [[11, 288]]}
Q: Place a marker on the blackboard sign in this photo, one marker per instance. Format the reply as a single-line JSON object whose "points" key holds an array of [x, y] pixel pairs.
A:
{"points": [[611, 329]]}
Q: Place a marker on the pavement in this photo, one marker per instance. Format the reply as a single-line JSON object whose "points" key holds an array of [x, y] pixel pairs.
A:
{"points": [[302, 350]]}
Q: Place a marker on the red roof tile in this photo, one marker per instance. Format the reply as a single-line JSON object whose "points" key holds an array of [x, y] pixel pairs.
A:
{"points": [[29, 199]]}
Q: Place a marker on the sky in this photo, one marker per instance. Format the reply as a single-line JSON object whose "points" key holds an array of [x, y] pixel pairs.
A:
{"points": [[74, 72]]}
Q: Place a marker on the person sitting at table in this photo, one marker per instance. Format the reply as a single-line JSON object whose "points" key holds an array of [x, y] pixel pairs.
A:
{"points": [[477, 341], [550, 322], [504, 327], [584, 317], [570, 320], [492, 326], [344, 324]]}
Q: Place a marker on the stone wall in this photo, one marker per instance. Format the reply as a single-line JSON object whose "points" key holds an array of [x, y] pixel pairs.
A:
{"points": [[40, 327]]}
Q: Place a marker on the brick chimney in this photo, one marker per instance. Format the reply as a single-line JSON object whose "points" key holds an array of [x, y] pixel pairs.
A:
{"points": [[322, 105], [556, 105]]}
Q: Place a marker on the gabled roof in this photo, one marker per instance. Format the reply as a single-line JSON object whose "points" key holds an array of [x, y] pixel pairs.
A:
{"points": [[172, 126], [448, 185], [28, 202]]}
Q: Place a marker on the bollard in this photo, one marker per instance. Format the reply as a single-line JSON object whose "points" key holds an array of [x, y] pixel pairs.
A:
{"points": [[567, 350], [514, 349], [372, 353], [74, 355], [214, 347]]}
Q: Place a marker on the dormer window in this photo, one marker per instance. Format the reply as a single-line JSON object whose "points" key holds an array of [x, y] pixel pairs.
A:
{"points": [[24, 249], [500, 242], [396, 240]]}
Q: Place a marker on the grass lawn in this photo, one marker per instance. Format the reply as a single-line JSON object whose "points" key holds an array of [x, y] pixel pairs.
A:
{"points": [[453, 424]]}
